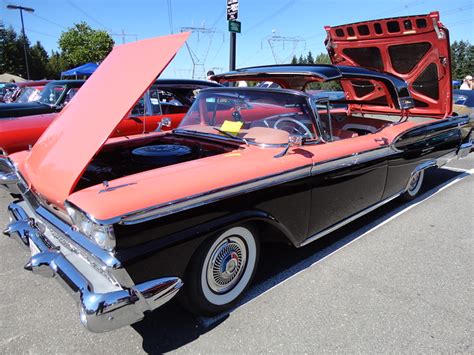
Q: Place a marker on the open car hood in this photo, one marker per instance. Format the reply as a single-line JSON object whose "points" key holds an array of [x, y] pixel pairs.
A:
{"points": [[60, 156], [415, 48]]}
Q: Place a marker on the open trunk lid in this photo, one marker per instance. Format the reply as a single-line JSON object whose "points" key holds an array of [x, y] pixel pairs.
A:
{"points": [[60, 156], [415, 48]]}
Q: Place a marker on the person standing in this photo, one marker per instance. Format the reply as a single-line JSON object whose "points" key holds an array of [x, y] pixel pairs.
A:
{"points": [[466, 83]]}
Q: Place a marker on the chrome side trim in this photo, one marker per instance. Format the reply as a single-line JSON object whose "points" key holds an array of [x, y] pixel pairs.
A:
{"points": [[197, 200], [425, 165], [353, 159], [209, 197], [348, 220]]}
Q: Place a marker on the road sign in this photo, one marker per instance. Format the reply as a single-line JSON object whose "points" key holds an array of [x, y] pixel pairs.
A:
{"points": [[234, 26], [232, 10]]}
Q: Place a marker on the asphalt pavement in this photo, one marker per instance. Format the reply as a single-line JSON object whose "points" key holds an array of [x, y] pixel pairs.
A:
{"points": [[397, 280]]}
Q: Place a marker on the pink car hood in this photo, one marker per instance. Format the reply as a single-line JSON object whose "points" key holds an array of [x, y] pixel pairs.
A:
{"points": [[60, 156]]}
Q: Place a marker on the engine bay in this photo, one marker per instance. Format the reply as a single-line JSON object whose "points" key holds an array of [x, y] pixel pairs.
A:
{"points": [[126, 158]]}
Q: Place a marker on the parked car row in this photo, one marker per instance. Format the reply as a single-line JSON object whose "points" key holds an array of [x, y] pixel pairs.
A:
{"points": [[128, 221]]}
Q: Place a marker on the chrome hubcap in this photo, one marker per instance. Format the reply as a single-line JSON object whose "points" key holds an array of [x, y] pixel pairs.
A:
{"points": [[414, 181], [226, 264]]}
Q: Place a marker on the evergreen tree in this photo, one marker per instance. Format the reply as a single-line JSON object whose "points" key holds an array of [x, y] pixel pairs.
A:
{"points": [[56, 65], [38, 62], [309, 58], [294, 60], [12, 59]]}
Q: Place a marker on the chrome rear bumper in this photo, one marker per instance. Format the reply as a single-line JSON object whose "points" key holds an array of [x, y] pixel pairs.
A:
{"points": [[103, 305], [464, 149]]}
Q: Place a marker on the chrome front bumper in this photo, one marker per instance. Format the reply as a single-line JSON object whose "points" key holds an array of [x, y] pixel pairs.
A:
{"points": [[8, 176], [103, 304]]}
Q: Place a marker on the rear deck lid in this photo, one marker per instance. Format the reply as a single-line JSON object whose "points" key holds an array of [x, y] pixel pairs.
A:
{"points": [[60, 156], [415, 48]]}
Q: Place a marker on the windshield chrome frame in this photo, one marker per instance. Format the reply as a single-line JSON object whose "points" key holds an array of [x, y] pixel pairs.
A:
{"points": [[309, 101]]}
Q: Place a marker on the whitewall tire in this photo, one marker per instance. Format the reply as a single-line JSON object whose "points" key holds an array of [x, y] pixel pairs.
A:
{"points": [[414, 185], [221, 270]]}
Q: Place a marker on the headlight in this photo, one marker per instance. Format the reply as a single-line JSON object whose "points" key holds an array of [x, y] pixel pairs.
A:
{"points": [[102, 235]]}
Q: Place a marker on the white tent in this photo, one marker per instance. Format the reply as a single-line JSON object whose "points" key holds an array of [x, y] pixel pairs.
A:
{"points": [[6, 78]]}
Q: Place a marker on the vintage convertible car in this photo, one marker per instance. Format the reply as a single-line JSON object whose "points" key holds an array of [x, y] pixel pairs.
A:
{"points": [[127, 222], [167, 98], [54, 96]]}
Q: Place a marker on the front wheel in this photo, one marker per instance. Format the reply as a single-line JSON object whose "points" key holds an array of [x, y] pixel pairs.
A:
{"points": [[414, 185], [221, 270]]}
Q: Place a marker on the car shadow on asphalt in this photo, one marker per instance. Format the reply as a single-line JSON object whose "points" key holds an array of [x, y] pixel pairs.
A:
{"points": [[171, 327]]}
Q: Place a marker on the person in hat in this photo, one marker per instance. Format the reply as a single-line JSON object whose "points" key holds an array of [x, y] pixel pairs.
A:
{"points": [[467, 83]]}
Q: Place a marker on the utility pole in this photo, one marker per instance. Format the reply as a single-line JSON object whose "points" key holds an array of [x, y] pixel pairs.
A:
{"points": [[123, 35], [27, 9], [199, 62], [275, 39], [234, 28]]}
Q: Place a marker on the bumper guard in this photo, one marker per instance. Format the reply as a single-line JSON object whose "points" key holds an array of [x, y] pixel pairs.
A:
{"points": [[99, 312]]}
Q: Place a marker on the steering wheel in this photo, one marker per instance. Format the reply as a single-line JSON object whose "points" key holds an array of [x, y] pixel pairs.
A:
{"points": [[307, 132]]}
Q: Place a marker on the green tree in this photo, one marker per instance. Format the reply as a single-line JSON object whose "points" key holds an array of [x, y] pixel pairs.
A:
{"points": [[322, 58], [294, 60], [462, 59], [82, 44], [11, 53], [309, 58], [301, 60], [38, 62], [56, 65]]}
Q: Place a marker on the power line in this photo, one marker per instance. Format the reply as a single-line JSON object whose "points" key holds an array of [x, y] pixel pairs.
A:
{"points": [[16, 27], [87, 15], [49, 21], [221, 14], [277, 12], [170, 15], [399, 8], [41, 33]]}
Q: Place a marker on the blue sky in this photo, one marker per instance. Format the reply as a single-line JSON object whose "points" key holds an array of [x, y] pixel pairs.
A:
{"points": [[302, 21]]}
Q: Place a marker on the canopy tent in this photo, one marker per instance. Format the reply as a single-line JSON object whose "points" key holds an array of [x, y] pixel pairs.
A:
{"points": [[84, 69], [6, 78]]}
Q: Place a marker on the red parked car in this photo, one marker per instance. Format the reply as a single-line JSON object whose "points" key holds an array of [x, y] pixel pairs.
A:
{"points": [[167, 98]]}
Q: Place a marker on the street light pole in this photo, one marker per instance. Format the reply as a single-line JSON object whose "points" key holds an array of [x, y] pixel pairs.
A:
{"points": [[27, 9]]}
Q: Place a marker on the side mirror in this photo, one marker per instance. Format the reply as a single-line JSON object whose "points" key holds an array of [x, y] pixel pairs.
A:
{"points": [[165, 122], [294, 140]]}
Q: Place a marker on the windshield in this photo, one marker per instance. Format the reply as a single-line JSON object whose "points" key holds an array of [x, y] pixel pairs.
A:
{"points": [[254, 115], [51, 94], [28, 94]]}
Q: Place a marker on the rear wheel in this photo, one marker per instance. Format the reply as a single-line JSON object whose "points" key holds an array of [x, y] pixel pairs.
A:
{"points": [[221, 270], [414, 185]]}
